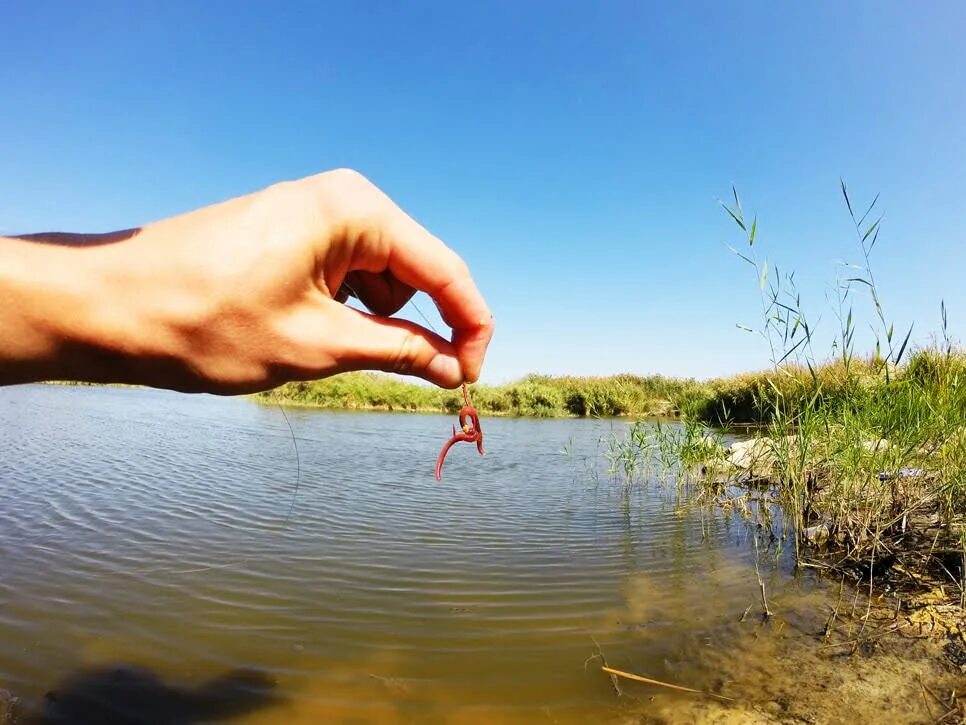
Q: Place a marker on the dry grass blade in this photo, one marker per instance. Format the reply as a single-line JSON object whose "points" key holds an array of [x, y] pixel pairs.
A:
{"points": [[659, 683]]}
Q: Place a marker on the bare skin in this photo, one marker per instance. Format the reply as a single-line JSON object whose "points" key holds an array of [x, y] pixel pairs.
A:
{"points": [[241, 296]]}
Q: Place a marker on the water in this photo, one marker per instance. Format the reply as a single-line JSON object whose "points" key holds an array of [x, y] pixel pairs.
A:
{"points": [[147, 569]]}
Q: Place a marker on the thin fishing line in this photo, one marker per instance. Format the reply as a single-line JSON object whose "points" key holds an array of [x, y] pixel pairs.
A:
{"points": [[425, 319], [295, 445], [298, 464], [466, 392], [288, 516]]}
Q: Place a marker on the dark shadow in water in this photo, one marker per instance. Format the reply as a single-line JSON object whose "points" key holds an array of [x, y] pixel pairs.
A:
{"points": [[132, 695]]}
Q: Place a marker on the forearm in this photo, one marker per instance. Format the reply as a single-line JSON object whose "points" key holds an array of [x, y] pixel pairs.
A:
{"points": [[57, 320], [241, 296]]}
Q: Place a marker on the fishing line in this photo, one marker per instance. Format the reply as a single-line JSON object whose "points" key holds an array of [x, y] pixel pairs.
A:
{"points": [[298, 465], [425, 319], [295, 445], [466, 394], [288, 516]]}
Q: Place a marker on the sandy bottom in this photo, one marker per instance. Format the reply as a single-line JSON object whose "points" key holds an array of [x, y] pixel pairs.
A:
{"points": [[804, 666], [778, 679], [783, 669], [793, 667]]}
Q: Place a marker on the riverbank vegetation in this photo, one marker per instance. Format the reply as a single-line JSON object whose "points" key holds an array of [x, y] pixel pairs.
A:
{"points": [[534, 396], [859, 462]]}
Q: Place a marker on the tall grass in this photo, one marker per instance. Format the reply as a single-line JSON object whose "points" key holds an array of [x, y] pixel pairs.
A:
{"points": [[534, 395], [868, 450]]}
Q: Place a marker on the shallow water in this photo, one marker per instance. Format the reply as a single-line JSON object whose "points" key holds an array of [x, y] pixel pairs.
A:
{"points": [[152, 530]]}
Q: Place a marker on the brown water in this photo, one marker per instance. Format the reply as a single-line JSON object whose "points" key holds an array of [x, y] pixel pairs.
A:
{"points": [[147, 570]]}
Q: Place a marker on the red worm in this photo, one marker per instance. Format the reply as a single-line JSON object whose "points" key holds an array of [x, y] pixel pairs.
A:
{"points": [[470, 431]]}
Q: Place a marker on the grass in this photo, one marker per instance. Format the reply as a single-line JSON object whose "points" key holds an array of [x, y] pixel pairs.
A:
{"points": [[865, 456], [533, 396]]}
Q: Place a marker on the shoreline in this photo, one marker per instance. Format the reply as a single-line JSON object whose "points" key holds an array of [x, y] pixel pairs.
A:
{"points": [[262, 399]]}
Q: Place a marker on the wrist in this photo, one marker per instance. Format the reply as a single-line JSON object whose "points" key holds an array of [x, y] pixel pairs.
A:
{"points": [[65, 314], [41, 294]]}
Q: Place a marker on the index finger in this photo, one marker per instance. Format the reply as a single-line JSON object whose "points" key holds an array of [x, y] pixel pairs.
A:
{"points": [[386, 238]]}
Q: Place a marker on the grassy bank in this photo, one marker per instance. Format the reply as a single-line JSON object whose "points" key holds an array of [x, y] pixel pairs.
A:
{"points": [[745, 399], [860, 461], [534, 396], [847, 447]]}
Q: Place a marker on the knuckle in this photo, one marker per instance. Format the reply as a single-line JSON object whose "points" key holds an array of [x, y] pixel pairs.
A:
{"points": [[285, 197], [347, 176], [405, 358], [346, 195], [340, 190], [281, 189], [460, 266], [345, 183]]}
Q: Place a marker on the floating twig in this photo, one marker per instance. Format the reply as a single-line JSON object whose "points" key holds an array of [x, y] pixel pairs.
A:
{"points": [[946, 714], [651, 681]]}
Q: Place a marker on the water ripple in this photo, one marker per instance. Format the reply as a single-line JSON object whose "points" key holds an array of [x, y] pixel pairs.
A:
{"points": [[153, 527]]}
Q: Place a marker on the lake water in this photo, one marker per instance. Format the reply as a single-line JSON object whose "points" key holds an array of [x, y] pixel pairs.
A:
{"points": [[158, 565]]}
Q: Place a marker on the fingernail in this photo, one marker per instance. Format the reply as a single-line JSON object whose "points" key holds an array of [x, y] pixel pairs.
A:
{"points": [[444, 369]]}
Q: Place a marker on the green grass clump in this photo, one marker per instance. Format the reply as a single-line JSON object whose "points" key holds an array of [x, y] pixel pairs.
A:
{"points": [[750, 397]]}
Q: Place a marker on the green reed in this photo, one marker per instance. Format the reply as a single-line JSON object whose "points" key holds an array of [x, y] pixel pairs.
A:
{"points": [[829, 426]]}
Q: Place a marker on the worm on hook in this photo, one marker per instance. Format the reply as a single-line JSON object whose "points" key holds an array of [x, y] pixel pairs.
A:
{"points": [[470, 432]]}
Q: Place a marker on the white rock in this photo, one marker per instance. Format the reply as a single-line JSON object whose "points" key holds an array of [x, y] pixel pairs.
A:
{"points": [[817, 534]]}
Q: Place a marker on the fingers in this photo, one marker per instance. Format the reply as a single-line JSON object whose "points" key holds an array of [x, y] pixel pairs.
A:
{"points": [[360, 341], [344, 293], [381, 293], [387, 239], [422, 261]]}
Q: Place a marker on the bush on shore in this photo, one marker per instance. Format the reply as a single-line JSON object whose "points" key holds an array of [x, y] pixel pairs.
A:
{"points": [[533, 396]]}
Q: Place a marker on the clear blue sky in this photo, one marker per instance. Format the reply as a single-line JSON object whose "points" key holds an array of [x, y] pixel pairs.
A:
{"points": [[572, 153]]}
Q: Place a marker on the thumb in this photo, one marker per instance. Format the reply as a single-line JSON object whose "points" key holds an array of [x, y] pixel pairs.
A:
{"points": [[361, 341]]}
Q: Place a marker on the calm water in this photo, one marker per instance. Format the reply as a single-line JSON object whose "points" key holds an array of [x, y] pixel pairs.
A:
{"points": [[146, 562]]}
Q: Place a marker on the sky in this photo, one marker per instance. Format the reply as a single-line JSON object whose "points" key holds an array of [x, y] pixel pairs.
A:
{"points": [[573, 153]]}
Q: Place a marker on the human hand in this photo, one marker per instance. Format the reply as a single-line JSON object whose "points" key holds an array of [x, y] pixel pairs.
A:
{"points": [[244, 295]]}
